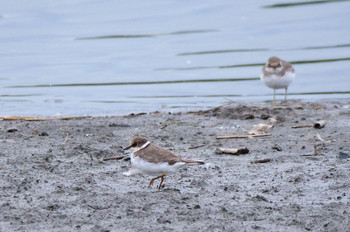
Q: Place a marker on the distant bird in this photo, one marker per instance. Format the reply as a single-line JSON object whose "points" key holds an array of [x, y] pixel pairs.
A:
{"points": [[277, 74], [154, 160]]}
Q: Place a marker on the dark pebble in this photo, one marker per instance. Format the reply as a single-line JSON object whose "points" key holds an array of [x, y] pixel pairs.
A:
{"points": [[343, 155]]}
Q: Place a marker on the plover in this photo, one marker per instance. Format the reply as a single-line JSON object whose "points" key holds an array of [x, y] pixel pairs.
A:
{"points": [[277, 74], [154, 160]]}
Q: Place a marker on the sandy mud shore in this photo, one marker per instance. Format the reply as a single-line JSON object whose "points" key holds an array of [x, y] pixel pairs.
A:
{"points": [[53, 177]]}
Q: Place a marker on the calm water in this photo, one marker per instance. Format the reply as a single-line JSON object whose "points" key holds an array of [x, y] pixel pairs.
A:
{"points": [[114, 57]]}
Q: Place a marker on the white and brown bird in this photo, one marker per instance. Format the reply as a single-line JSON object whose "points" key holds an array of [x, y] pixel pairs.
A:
{"points": [[277, 74], [154, 160]]}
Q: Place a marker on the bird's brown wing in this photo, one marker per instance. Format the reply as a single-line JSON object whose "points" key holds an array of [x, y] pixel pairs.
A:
{"points": [[287, 67], [155, 154]]}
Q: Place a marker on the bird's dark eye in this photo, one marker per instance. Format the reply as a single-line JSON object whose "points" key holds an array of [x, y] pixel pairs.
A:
{"points": [[134, 144]]}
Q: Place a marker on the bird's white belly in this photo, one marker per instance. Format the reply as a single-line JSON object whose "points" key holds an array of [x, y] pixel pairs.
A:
{"points": [[275, 82], [153, 169]]}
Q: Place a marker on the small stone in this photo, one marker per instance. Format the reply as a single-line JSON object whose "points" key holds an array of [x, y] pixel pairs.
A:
{"points": [[248, 116], [265, 116], [11, 130], [343, 155]]}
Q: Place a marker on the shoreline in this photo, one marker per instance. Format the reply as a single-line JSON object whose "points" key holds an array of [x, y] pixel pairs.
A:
{"points": [[54, 177]]}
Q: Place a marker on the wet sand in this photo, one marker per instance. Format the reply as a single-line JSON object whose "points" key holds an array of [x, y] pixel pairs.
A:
{"points": [[53, 177]]}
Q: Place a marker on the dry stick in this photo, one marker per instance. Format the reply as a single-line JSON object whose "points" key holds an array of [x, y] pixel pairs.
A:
{"points": [[241, 136], [302, 126], [40, 118], [66, 139], [198, 146], [261, 161], [115, 158]]}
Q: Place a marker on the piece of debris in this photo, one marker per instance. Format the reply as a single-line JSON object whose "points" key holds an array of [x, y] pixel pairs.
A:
{"points": [[11, 130], [234, 151], [260, 161], [321, 139], [277, 147], [343, 155], [318, 125], [260, 129], [241, 136]]}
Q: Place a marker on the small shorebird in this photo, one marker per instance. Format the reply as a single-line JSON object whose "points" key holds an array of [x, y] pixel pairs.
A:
{"points": [[277, 74], [154, 160]]}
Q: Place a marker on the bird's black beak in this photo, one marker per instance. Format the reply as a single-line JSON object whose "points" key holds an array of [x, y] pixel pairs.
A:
{"points": [[127, 148]]}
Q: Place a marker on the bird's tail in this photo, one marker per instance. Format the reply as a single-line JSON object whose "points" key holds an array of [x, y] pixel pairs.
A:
{"points": [[192, 161]]}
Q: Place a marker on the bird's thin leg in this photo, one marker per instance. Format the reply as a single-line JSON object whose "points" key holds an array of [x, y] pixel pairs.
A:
{"points": [[151, 182], [274, 98], [161, 180], [155, 178], [285, 94]]}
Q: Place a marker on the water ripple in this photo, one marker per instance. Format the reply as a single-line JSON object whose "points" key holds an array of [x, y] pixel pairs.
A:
{"points": [[251, 65], [136, 83], [134, 36], [261, 50], [302, 3]]}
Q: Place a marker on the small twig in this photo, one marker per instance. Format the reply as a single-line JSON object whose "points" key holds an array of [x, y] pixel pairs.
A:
{"points": [[66, 139], [241, 136], [41, 118], [315, 150], [302, 126], [115, 158], [307, 155], [261, 161], [198, 146]]}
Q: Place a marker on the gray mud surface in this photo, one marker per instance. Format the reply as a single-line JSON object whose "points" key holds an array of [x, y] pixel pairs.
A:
{"points": [[53, 177]]}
